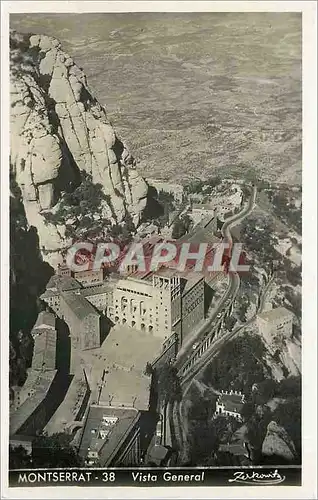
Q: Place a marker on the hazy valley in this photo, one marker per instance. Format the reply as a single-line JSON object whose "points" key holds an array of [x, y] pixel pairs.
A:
{"points": [[204, 93]]}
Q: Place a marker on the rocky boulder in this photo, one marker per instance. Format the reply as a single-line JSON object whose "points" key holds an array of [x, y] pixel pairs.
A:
{"points": [[277, 442]]}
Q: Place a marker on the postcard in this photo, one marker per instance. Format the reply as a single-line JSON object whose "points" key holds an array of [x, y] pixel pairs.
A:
{"points": [[158, 304]]}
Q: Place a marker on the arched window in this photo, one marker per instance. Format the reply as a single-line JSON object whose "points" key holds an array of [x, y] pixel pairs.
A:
{"points": [[142, 308]]}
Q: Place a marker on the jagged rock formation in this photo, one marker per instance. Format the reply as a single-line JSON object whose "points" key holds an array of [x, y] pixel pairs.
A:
{"points": [[28, 277], [277, 442], [58, 130]]}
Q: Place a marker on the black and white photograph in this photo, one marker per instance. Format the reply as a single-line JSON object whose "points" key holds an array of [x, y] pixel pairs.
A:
{"points": [[155, 261]]}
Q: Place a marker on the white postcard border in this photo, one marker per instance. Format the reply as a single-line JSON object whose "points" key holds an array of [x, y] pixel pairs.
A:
{"points": [[309, 321]]}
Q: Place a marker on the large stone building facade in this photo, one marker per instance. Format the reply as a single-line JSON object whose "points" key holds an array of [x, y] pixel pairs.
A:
{"points": [[35, 402], [56, 285], [153, 305], [90, 277], [192, 300], [82, 319], [64, 295], [163, 303], [167, 303]]}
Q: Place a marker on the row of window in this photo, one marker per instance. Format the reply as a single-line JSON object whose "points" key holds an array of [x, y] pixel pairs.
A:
{"points": [[82, 274], [134, 306], [95, 280], [142, 325], [134, 317], [188, 308], [133, 323], [197, 292], [133, 291]]}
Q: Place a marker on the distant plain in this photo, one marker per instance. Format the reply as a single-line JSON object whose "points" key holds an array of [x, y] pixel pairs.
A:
{"points": [[193, 95]]}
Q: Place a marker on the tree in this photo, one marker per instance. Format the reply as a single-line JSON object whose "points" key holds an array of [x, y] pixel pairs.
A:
{"points": [[129, 224], [243, 307], [289, 387], [148, 369], [181, 227], [169, 388], [248, 410], [229, 323], [47, 452], [167, 200], [55, 451], [221, 428], [238, 365], [213, 181], [203, 443], [256, 430], [81, 205], [266, 390], [19, 458], [116, 230], [293, 275], [194, 187], [288, 415]]}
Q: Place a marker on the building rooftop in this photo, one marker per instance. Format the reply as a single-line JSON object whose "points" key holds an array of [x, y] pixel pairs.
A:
{"points": [[44, 352], [38, 384], [136, 277], [89, 272], [191, 277], [165, 272], [62, 283], [71, 407], [148, 244], [201, 233], [49, 293], [21, 438], [98, 289], [106, 428], [203, 206], [274, 314], [127, 352], [231, 401], [157, 454], [78, 304], [45, 320], [128, 389]]}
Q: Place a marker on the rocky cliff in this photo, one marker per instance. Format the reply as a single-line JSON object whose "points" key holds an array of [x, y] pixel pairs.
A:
{"points": [[58, 133], [277, 442], [28, 277]]}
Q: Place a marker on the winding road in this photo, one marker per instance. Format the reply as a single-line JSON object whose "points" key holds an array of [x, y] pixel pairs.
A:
{"points": [[176, 425], [231, 292]]}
